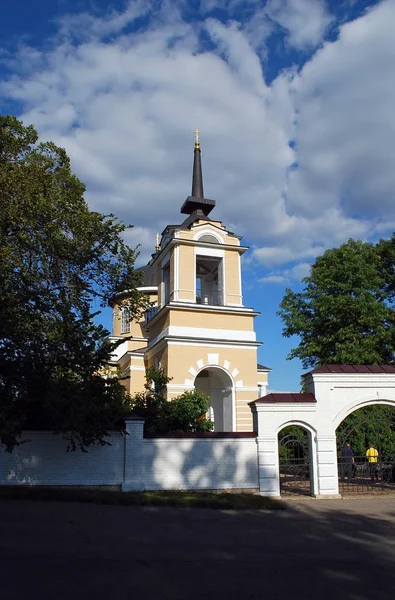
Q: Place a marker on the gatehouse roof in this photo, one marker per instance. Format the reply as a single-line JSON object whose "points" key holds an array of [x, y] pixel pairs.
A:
{"points": [[349, 369], [286, 397]]}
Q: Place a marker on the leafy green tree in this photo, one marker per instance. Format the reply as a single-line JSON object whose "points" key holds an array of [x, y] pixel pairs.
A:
{"points": [[344, 314], [293, 444], [181, 414], [371, 424], [56, 258], [151, 402], [188, 413]]}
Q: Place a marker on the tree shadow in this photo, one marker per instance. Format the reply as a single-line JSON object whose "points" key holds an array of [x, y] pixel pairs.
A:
{"points": [[315, 549], [200, 462], [306, 551], [338, 549]]}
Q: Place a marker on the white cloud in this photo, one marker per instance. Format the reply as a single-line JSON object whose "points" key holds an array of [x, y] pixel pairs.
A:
{"points": [[346, 123], [278, 279], [87, 25], [287, 276], [231, 42], [125, 108], [270, 256], [304, 20]]}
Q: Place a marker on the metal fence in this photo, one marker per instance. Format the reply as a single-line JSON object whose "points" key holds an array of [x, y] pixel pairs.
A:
{"points": [[364, 477]]}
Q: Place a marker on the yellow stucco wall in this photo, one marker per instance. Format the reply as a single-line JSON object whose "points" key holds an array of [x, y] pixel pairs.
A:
{"points": [[183, 357], [232, 278], [136, 327], [239, 364], [211, 319], [161, 322]]}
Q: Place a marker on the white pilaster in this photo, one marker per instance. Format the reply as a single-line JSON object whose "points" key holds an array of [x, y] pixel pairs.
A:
{"points": [[327, 475], [133, 463], [268, 464], [268, 467]]}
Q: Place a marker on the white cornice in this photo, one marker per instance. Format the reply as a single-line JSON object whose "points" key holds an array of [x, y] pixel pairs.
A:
{"points": [[199, 343], [152, 289]]}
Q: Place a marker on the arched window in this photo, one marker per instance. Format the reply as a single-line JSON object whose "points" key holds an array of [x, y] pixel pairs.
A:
{"points": [[125, 320], [208, 238]]}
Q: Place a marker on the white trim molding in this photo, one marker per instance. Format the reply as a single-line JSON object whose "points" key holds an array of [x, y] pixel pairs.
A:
{"points": [[199, 333], [208, 231], [217, 252]]}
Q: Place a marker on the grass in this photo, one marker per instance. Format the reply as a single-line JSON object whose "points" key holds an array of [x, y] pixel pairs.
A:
{"points": [[224, 501]]}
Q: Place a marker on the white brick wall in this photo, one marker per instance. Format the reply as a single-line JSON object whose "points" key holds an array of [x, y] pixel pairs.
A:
{"points": [[44, 461], [150, 464], [193, 464]]}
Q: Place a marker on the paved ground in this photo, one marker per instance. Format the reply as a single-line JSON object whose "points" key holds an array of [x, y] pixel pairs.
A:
{"points": [[315, 549]]}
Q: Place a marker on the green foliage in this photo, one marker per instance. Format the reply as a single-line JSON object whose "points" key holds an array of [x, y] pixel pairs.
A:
{"points": [[344, 315], [56, 257], [292, 443], [371, 424], [150, 404], [182, 414], [188, 413]]}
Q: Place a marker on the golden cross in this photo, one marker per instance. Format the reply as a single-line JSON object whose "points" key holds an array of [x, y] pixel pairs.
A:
{"points": [[197, 132], [157, 246]]}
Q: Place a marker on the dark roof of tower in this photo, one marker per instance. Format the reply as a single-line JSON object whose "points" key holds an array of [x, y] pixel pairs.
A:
{"points": [[196, 202], [149, 276]]}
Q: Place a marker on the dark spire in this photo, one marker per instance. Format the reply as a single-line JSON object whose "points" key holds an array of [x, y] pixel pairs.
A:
{"points": [[197, 202], [197, 178]]}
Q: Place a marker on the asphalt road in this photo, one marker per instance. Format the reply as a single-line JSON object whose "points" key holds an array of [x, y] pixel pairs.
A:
{"points": [[315, 549]]}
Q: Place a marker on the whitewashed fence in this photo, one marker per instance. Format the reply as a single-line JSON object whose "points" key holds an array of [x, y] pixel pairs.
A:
{"points": [[246, 461], [133, 462]]}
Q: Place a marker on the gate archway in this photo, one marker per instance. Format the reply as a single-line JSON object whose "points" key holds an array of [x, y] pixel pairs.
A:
{"points": [[295, 463], [366, 450]]}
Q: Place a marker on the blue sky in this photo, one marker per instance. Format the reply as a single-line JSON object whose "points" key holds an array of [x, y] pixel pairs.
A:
{"points": [[294, 99]]}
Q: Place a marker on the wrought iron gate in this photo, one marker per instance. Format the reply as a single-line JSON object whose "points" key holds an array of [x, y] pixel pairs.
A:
{"points": [[294, 460], [361, 473]]}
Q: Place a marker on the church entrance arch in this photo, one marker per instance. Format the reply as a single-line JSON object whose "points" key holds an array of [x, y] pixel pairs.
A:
{"points": [[218, 386], [366, 450], [294, 457]]}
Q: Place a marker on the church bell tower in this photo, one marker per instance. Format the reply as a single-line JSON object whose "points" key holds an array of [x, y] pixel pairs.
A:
{"points": [[198, 331]]}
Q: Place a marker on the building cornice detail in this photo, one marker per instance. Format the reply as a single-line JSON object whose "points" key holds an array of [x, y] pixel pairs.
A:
{"points": [[161, 343]]}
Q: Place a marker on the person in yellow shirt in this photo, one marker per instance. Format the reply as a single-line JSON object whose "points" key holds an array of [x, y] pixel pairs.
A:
{"points": [[372, 455]]}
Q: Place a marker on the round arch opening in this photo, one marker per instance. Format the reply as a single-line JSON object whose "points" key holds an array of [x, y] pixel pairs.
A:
{"points": [[218, 386], [365, 442], [295, 461]]}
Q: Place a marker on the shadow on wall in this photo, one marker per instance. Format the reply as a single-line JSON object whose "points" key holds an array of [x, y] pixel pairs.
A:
{"points": [[44, 460], [214, 461], [194, 462]]}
